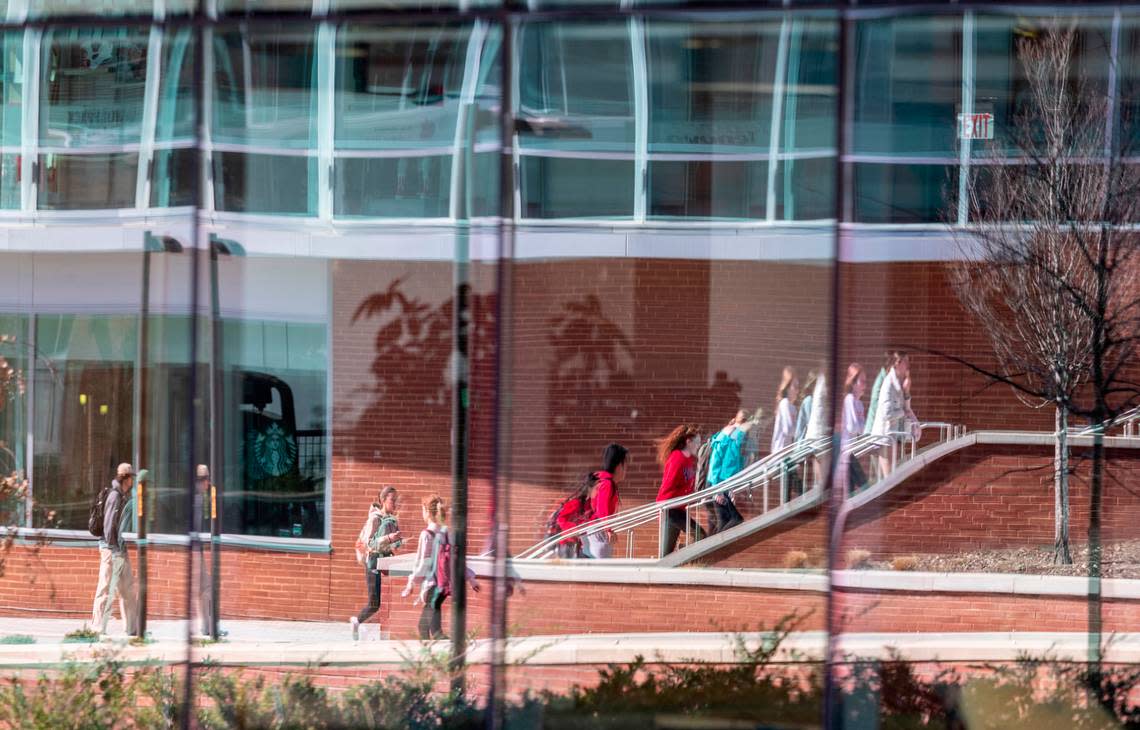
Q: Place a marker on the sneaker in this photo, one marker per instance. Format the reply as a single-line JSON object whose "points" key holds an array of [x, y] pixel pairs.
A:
{"points": [[355, 623]]}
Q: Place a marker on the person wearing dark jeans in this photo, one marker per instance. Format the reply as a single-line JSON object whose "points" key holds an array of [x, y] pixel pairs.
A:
{"points": [[675, 525], [431, 618], [677, 454], [379, 537]]}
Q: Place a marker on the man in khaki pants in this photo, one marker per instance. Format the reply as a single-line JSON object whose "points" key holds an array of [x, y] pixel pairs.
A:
{"points": [[115, 577]]}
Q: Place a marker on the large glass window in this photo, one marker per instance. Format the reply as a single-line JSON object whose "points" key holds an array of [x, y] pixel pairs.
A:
{"points": [[84, 380], [906, 102], [274, 425], [576, 128], [263, 88], [397, 108], [14, 378], [94, 81]]}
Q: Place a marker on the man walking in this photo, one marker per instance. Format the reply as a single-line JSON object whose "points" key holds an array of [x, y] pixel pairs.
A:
{"points": [[115, 577]]}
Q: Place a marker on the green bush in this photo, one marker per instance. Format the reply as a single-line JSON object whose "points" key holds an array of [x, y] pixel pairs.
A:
{"points": [[756, 691]]}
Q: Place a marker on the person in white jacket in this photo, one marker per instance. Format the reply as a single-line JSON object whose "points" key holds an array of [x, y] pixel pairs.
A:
{"points": [[855, 384], [784, 429], [817, 423], [891, 411]]}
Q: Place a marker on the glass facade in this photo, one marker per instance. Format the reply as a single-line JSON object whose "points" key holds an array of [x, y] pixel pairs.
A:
{"points": [[285, 255]]}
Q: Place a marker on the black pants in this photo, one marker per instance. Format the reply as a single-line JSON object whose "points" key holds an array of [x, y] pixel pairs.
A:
{"points": [[372, 580], [856, 478], [675, 525], [722, 516], [431, 618]]}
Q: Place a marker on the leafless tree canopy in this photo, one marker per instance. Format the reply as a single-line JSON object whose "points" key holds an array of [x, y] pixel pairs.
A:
{"points": [[1051, 265]]}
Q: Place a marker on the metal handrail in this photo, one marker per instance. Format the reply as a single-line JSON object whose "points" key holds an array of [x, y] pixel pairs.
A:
{"points": [[760, 473], [627, 520]]}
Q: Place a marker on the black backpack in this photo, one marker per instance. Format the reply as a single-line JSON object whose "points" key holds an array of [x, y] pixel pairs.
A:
{"points": [[95, 519]]}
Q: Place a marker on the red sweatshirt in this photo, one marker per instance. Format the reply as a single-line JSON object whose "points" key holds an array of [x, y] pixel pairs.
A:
{"points": [[680, 474], [568, 517], [606, 497]]}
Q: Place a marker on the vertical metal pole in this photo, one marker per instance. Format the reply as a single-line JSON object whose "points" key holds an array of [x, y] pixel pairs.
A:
{"points": [[215, 436], [832, 714], [201, 94], [142, 372], [460, 325], [501, 448]]}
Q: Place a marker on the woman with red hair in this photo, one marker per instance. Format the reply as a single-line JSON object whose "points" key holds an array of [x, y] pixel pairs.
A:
{"points": [[677, 454]]}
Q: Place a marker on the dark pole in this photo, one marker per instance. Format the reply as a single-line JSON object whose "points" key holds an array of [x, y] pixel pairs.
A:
{"points": [[501, 437], [458, 531], [832, 716], [142, 514], [192, 413], [215, 446]]}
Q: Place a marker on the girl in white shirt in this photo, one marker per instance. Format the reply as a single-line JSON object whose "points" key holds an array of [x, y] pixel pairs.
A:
{"points": [[853, 422], [890, 412], [784, 431]]}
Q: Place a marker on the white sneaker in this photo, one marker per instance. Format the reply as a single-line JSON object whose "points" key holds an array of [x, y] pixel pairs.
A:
{"points": [[355, 623]]}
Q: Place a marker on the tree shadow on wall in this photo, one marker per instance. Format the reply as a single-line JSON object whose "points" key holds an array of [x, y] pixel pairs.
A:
{"points": [[595, 392], [409, 414]]}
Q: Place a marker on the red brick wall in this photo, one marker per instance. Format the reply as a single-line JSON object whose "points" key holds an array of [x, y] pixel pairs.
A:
{"points": [[982, 497], [600, 350]]}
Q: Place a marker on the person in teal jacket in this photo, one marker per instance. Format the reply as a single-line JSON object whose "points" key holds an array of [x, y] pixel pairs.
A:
{"points": [[725, 460]]}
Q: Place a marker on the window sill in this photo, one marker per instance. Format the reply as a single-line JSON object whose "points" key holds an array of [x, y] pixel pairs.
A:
{"points": [[81, 538]]}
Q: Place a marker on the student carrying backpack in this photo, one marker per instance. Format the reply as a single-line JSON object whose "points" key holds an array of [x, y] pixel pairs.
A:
{"points": [[434, 568], [572, 512], [95, 518]]}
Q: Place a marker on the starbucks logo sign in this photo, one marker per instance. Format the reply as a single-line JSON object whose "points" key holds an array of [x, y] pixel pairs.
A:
{"points": [[273, 452]]}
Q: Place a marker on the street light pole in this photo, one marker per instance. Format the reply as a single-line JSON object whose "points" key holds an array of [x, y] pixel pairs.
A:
{"points": [[151, 244]]}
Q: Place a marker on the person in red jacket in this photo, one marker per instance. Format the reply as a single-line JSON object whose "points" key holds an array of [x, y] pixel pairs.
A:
{"points": [[677, 454], [615, 460], [574, 512]]}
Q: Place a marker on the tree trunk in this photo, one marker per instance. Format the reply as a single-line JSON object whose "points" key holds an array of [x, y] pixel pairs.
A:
{"points": [[1096, 484], [1061, 554]]}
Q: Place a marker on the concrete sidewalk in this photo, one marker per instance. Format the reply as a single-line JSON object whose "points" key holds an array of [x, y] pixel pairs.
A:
{"points": [[298, 643]]}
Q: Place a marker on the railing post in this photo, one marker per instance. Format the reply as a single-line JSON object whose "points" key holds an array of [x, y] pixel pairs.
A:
{"points": [[662, 526], [783, 484]]}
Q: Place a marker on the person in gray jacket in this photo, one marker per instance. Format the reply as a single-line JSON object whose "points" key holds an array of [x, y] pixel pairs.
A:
{"points": [[116, 579]]}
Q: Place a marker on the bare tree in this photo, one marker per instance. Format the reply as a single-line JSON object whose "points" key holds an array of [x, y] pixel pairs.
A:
{"points": [[1050, 269]]}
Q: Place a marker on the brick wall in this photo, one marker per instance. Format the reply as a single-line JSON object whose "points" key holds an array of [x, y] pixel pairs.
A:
{"points": [[600, 350], [978, 498]]}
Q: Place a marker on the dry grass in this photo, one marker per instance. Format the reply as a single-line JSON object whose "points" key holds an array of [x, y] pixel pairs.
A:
{"points": [[795, 559], [858, 558], [904, 562]]}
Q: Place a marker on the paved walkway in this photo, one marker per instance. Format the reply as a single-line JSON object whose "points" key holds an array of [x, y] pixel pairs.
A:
{"points": [[296, 643]]}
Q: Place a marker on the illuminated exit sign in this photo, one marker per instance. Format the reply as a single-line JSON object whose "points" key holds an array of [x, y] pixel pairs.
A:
{"points": [[976, 126]]}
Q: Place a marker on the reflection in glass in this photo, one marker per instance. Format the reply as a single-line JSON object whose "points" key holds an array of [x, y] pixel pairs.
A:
{"points": [[14, 378], [554, 187], [274, 428], [91, 181], [255, 183], [706, 189], [83, 409], [93, 82], [910, 86], [263, 88], [11, 87]]}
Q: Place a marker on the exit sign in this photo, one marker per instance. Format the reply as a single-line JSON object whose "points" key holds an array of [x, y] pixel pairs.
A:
{"points": [[976, 126]]}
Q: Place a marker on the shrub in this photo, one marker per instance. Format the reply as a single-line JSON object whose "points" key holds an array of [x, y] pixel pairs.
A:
{"points": [[18, 639], [904, 562], [794, 559], [858, 558], [83, 635]]}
